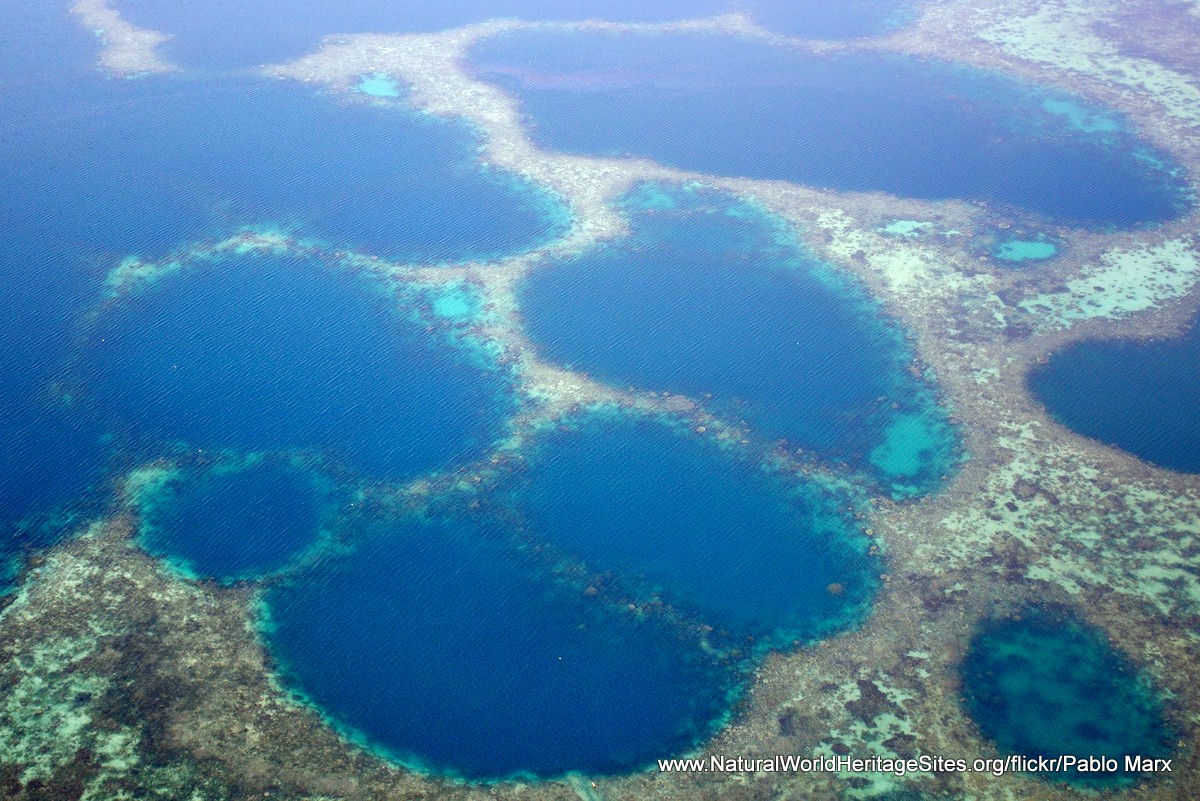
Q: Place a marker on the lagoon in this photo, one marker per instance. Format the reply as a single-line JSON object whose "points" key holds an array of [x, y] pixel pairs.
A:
{"points": [[855, 121], [727, 543], [274, 352], [714, 298], [436, 643]]}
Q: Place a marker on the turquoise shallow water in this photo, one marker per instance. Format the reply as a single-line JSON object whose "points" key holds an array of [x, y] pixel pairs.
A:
{"points": [[711, 296], [237, 519], [738, 548], [1019, 250], [261, 352], [378, 84], [1017, 246], [1049, 685], [851, 121], [436, 642]]}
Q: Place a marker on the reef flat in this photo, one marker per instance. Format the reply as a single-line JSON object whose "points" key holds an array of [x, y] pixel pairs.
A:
{"points": [[128, 51], [1039, 513]]}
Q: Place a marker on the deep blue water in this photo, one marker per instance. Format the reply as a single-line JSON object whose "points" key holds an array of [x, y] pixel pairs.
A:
{"points": [[736, 547], [1049, 685], [434, 643], [41, 40], [276, 352], [238, 521], [225, 34], [855, 121], [709, 295], [52, 461], [148, 168], [1143, 397], [93, 170], [51, 456]]}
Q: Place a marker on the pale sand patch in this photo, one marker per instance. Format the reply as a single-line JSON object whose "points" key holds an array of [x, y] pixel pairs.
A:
{"points": [[1124, 282], [128, 51], [1060, 34]]}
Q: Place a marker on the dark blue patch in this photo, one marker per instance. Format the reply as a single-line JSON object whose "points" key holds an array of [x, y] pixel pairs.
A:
{"points": [[738, 548], [235, 522], [852, 121], [42, 41], [225, 34], [709, 296], [52, 461], [443, 648], [275, 353], [1048, 685], [109, 172], [1143, 397]]}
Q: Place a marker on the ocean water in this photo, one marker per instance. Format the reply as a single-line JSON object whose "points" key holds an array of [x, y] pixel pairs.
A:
{"points": [[712, 296], [1049, 685], [854, 121], [236, 519], [209, 157], [224, 34], [439, 641], [94, 170], [39, 41], [1141, 397], [261, 352], [52, 462], [663, 511], [52, 456], [439, 645]]}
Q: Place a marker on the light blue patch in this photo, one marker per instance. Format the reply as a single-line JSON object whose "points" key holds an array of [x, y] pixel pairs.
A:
{"points": [[456, 303], [910, 229], [1025, 250], [1080, 117], [378, 84]]}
